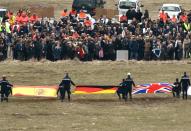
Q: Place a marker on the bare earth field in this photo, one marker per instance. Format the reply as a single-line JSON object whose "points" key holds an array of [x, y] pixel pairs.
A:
{"points": [[152, 5], [95, 112]]}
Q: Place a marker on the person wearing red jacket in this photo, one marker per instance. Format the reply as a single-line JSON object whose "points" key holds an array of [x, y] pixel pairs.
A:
{"points": [[174, 19], [33, 18], [163, 16], [183, 17], [80, 52], [87, 22], [64, 13], [123, 19], [75, 35], [24, 18], [82, 16], [18, 17], [73, 12]]}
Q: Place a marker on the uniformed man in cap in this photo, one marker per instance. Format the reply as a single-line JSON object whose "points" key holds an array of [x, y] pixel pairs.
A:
{"points": [[185, 83], [129, 83], [64, 87], [6, 89]]}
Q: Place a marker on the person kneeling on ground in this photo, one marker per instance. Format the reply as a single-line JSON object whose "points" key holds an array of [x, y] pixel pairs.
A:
{"points": [[176, 89], [6, 89]]}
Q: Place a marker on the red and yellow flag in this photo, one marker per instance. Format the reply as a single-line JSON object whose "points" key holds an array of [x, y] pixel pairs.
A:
{"points": [[35, 91], [95, 89]]}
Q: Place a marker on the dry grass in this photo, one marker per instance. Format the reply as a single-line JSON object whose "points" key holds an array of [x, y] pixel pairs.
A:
{"points": [[95, 112]]}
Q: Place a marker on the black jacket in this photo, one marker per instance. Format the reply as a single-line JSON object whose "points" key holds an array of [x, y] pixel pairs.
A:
{"points": [[129, 83], [6, 87], [185, 81], [66, 83]]}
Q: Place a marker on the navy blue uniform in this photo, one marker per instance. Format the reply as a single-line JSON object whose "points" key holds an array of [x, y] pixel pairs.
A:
{"points": [[128, 87], [185, 83], [121, 90], [64, 87], [6, 90]]}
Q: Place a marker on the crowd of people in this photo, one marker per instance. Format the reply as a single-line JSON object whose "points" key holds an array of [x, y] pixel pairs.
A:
{"points": [[24, 36]]}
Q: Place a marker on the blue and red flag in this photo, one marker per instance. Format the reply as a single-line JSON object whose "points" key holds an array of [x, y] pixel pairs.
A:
{"points": [[153, 88]]}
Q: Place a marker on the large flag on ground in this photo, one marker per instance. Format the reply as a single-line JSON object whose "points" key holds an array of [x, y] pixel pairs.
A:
{"points": [[35, 91], [51, 91], [153, 88], [140, 89], [95, 89]]}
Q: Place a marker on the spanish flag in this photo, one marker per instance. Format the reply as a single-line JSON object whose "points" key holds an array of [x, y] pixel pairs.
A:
{"points": [[95, 89], [35, 91]]}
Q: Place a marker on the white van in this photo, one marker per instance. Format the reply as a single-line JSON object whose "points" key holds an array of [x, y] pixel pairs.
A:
{"points": [[2, 12], [171, 9], [124, 5]]}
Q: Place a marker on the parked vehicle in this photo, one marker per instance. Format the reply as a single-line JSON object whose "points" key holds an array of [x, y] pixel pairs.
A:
{"points": [[2, 12], [124, 5], [171, 9], [88, 5]]}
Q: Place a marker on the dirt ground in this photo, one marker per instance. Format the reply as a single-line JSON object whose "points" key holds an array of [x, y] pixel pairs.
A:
{"points": [[95, 112], [152, 5]]}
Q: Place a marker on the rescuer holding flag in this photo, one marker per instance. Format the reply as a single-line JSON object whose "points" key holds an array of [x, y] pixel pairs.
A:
{"points": [[129, 83], [185, 83], [64, 87], [6, 89]]}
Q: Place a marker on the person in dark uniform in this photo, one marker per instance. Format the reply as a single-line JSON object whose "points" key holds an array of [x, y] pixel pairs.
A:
{"points": [[120, 90], [185, 83], [128, 85], [176, 89], [64, 87], [6, 89]]}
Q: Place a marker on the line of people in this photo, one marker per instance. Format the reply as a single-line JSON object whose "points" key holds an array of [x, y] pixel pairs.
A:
{"points": [[125, 89]]}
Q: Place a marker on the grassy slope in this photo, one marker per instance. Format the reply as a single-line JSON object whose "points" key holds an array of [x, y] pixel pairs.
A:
{"points": [[95, 112]]}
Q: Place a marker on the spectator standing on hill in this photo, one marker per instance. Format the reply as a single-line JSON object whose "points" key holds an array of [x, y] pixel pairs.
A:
{"points": [[186, 46], [146, 14], [139, 16]]}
